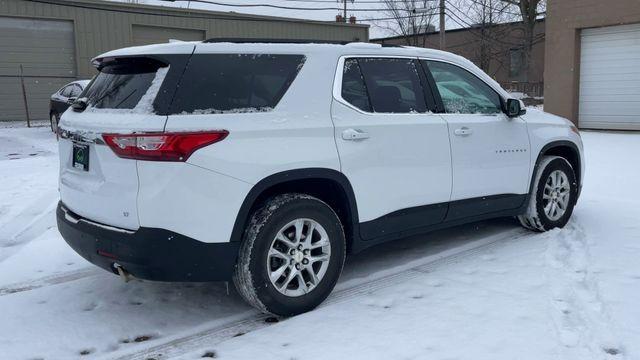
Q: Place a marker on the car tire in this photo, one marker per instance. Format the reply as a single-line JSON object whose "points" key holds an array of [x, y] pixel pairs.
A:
{"points": [[54, 118], [291, 256], [553, 197]]}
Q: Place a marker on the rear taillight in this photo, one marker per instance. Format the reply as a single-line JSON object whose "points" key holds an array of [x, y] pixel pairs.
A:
{"points": [[161, 146]]}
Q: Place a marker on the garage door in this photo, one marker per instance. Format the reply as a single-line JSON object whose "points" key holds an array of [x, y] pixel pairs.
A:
{"points": [[610, 78], [46, 51], [144, 35]]}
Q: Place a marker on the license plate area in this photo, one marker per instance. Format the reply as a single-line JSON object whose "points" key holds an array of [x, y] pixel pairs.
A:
{"points": [[80, 157]]}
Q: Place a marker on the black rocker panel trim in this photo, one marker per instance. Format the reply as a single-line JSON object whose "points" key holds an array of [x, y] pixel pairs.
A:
{"points": [[402, 220], [422, 217], [466, 208], [362, 245]]}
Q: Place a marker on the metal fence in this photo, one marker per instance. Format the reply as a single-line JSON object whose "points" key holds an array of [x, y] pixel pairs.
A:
{"points": [[534, 90]]}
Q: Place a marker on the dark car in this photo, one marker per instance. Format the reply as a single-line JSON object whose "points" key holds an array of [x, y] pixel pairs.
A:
{"points": [[62, 98]]}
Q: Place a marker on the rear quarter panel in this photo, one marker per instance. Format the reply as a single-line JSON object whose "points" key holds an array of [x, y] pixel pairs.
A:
{"points": [[189, 200]]}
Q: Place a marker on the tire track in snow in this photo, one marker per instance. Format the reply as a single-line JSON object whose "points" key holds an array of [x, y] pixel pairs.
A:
{"points": [[577, 308], [386, 278], [25, 227], [54, 279]]}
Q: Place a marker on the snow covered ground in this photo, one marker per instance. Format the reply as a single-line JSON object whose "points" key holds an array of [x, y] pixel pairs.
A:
{"points": [[489, 290]]}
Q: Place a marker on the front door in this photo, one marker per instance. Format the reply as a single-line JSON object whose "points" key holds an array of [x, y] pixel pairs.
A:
{"points": [[392, 149], [490, 151]]}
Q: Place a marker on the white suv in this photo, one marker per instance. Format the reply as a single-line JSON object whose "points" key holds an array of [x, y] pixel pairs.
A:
{"points": [[266, 163]]}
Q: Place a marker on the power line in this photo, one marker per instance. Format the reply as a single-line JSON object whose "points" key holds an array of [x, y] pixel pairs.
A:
{"points": [[278, 6], [246, 17], [541, 36], [243, 17], [460, 11], [492, 9], [358, 1], [485, 37], [469, 27], [399, 17]]}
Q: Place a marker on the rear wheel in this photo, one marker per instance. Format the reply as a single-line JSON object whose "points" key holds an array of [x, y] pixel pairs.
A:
{"points": [[553, 197], [291, 255]]}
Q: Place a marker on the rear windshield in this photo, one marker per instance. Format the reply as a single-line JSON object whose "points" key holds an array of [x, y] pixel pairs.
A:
{"points": [[126, 84], [235, 83]]}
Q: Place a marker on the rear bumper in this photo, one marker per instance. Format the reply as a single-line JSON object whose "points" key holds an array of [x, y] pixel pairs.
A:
{"points": [[148, 253]]}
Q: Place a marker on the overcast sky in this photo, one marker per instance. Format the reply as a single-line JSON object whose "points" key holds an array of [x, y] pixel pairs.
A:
{"points": [[371, 10]]}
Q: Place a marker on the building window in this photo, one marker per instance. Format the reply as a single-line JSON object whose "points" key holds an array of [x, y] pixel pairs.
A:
{"points": [[516, 65]]}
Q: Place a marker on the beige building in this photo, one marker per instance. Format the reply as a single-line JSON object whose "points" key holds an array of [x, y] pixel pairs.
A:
{"points": [[592, 62], [54, 41]]}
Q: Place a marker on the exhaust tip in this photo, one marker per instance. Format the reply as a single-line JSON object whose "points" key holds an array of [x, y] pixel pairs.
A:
{"points": [[122, 272]]}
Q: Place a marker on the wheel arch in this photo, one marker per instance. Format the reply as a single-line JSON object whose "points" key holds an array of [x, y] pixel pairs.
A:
{"points": [[328, 185], [565, 149]]}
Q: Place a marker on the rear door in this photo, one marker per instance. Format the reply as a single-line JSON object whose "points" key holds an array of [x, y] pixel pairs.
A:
{"points": [[94, 182], [393, 150], [490, 151]]}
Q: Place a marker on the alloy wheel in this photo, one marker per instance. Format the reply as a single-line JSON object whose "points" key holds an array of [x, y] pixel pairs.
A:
{"points": [[556, 195], [298, 257]]}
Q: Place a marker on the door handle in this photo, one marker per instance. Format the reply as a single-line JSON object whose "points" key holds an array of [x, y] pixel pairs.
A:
{"points": [[463, 131], [354, 134]]}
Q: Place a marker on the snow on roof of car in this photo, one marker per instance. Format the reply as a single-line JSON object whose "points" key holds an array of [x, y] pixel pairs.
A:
{"points": [[174, 47], [264, 47], [353, 48], [82, 83]]}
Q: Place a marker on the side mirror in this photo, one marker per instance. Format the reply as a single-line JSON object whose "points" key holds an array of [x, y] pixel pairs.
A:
{"points": [[79, 104], [515, 108], [71, 100]]}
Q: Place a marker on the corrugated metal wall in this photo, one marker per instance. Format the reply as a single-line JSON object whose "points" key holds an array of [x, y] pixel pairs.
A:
{"points": [[45, 51], [99, 26], [143, 34]]}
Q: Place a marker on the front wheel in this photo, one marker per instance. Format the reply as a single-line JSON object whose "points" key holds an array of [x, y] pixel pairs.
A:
{"points": [[291, 255], [553, 197], [54, 118]]}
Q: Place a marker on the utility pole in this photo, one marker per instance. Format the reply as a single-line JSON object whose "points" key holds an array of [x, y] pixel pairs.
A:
{"points": [[24, 97], [344, 13], [442, 26]]}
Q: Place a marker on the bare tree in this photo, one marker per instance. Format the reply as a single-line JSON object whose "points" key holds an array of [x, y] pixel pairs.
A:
{"points": [[484, 17], [408, 23], [529, 10]]}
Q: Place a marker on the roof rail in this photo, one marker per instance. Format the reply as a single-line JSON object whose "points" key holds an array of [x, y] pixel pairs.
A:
{"points": [[274, 41], [286, 41]]}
